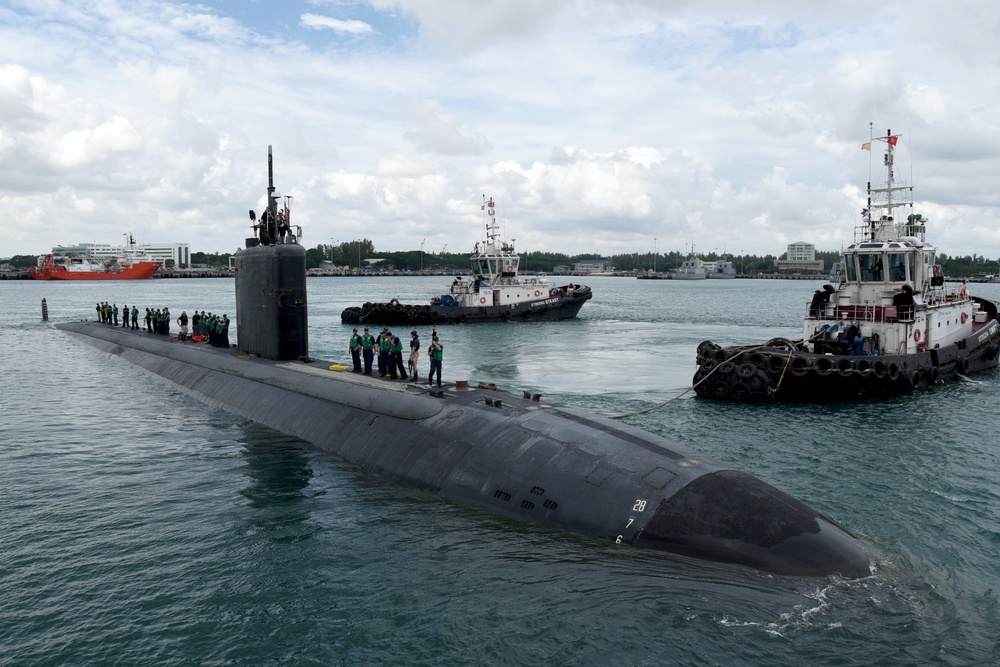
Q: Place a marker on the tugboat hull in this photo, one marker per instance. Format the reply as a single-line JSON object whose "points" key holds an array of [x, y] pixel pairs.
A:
{"points": [[780, 371], [564, 304]]}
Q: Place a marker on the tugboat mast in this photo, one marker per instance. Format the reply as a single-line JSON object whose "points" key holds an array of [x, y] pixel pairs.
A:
{"points": [[883, 226]]}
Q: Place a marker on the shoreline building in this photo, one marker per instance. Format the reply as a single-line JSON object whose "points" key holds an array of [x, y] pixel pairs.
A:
{"points": [[589, 265], [801, 258]]}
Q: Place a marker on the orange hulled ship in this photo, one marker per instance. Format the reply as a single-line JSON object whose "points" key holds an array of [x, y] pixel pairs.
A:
{"points": [[129, 263]]}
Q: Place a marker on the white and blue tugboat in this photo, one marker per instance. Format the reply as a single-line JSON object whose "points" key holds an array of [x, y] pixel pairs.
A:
{"points": [[891, 324], [495, 291]]}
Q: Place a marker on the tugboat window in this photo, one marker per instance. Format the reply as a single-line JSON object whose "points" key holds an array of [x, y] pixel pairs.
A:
{"points": [[897, 267], [871, 268], [852, 271]]}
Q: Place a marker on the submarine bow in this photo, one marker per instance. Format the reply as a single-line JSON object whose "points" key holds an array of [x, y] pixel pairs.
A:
{"points": [[733, 517]]}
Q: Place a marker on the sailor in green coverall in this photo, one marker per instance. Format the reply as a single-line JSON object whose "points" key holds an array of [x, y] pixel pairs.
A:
{"points": [[436, 355], [397, 357], [354, 347], [389, 367], [367, 351]]}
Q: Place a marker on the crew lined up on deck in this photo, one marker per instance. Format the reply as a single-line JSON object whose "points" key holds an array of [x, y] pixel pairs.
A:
{"points": [[389, 349], [213, 328], [108, 314]]}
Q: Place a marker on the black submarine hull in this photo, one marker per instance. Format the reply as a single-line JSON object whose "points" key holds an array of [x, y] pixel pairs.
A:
{"points": [[524, 459]]}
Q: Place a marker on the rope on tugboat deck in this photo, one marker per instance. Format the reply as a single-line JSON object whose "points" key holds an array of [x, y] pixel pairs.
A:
{"points": [[781, 379], [742, 350]]}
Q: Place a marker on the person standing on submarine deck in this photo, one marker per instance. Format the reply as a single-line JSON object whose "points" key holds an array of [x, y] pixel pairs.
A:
{"points": [[437, 355], [414, 354], [397, 357], [355, 349], [367, 351], [390, 356], [224, 331]]}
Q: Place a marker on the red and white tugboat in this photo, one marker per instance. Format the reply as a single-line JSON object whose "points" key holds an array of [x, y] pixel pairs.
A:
{"points": [[495, 291], [892, 323]]}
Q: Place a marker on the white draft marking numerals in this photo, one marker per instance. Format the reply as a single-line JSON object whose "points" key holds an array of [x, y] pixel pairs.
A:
{"points": [[639, 506]]}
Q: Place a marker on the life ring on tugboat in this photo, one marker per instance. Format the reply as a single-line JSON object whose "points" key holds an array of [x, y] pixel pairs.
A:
{"points": [[534, 281], [916, 335], [965, 317], [482, 299], [537, 293]]}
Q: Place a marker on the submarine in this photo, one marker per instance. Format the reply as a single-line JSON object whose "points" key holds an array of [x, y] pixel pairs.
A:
{"points": [[517, 456]]}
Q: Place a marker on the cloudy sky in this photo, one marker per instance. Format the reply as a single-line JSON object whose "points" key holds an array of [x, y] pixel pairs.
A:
{"points": [[597, 126]]}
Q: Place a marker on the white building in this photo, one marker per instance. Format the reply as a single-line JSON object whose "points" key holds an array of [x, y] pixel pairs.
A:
{"points": [[800, 251], [180, 253], [593, 265], [801, 259]]}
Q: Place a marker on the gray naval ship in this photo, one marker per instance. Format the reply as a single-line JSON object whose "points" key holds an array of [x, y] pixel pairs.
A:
{"points": [[514, 455]]}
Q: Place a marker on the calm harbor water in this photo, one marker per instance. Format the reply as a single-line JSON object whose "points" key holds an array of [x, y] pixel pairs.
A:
{"points": [[142, 527]]}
